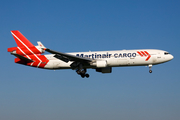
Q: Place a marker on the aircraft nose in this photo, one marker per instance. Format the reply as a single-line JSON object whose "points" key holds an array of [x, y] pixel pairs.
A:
{"points": [[171, 57]]}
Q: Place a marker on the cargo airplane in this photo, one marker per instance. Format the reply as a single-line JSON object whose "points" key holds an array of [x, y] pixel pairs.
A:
{"points": [[102, 61]]}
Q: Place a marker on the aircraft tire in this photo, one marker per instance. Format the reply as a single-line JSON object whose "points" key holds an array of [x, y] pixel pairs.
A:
{"points": [[87, 75], [82, 75]]}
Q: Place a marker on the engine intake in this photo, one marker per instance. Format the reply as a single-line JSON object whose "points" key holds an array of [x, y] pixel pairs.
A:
{"points": [[101, 64]]}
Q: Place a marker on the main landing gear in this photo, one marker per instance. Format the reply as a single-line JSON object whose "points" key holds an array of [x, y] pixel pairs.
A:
{"points": [[82, 72], [78, 66], [150, 66]]}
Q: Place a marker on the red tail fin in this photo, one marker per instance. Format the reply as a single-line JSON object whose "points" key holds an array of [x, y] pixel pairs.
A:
{"points": [[27, 53], [21, 41], [25, 47]]}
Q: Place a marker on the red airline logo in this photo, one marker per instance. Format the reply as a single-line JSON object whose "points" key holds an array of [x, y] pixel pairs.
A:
{"points": [[144, 54]]}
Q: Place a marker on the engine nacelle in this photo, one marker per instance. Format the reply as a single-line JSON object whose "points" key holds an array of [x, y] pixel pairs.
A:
{"points": [[42, 50], [101, 64], [104, 70]]}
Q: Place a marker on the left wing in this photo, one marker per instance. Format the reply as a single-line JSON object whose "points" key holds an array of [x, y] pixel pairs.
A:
{"points": [[67, 57]]}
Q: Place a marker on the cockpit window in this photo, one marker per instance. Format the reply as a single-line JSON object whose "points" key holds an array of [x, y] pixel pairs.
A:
{"points": [[166, 53]]}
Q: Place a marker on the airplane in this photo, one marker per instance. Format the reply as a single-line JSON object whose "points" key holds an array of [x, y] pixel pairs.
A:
{"points": [[102, 61]]}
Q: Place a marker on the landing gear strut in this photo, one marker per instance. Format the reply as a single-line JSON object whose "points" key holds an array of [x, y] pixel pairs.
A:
{"points": [[150, 66], [82, 72]]}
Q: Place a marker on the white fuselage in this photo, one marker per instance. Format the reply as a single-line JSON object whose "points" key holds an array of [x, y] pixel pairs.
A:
{"points": [[102, 61], [114, 58]]}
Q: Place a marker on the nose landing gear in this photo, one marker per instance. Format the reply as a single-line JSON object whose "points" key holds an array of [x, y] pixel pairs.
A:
{"points": [[150, 66]]}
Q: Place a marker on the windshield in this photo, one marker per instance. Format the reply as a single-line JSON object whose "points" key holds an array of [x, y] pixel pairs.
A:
{"points": [[166, 53]]}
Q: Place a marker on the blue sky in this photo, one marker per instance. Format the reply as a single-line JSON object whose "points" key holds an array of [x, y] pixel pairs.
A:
{"points": [[83, 25]]}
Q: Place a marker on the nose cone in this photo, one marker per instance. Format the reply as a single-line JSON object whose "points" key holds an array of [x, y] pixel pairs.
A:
{"points": [[171, 57]]}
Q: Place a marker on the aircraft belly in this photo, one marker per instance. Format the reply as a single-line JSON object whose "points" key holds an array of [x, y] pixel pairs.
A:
{"points": [[131, 61], [142, 60], [117, 62], [57, 64]]}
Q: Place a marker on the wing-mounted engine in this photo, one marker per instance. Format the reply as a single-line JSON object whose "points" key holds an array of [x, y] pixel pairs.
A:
{"points": [[100, 64], [104, 70]]}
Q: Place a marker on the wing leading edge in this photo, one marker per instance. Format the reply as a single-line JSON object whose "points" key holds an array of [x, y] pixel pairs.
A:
{"points": [[67, 57]]}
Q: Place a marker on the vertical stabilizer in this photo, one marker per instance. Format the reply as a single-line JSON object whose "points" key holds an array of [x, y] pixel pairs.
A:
{"points": [[25, 47], [21, 41], [26, 52]]}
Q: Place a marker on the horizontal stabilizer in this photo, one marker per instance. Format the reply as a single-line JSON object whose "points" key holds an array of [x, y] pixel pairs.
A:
{"points": [[22, 57]]}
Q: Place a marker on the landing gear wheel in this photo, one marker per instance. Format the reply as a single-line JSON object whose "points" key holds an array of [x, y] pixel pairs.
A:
{"points": [[78, 72], [150, 66], [82, 72], [87, 75], [82, 75]]}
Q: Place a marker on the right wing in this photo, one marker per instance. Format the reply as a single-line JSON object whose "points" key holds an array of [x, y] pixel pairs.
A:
{"points": [[67, 57]]}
